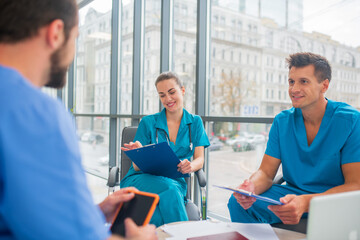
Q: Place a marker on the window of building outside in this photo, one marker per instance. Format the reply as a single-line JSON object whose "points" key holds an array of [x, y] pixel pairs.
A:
{"points": [[249, 41]]}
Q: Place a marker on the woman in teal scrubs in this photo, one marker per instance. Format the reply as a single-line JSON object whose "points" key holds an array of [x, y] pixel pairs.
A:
{"points": [[185, 134]]}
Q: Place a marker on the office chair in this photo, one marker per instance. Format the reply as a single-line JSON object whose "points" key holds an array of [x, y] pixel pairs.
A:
{"points": [[301, 226], [128, 135]]}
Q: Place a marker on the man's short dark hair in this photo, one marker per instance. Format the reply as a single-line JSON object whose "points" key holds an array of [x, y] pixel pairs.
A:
{"points": [[320, 63], [168, 75], [22, 19]]}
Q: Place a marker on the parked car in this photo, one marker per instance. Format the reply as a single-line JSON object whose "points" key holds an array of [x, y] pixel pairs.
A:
{"points": [[222, 138], [256, 139], [238, 138], [242, 145], [249, 143], [215, 144], [92, 137]]}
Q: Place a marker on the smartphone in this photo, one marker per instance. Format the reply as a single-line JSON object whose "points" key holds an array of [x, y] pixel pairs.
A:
{"points": [[140, 209]]}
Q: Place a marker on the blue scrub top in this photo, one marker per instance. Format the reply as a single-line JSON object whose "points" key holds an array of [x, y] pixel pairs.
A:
{"points": [[43, 189], [316, 168]]}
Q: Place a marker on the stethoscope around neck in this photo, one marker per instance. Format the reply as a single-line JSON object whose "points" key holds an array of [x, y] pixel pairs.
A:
{"points": [[168, 139]]}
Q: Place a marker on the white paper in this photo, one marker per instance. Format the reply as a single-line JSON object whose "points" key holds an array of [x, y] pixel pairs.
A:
{"points": [[186, 230], [195, 229], [255, 230]]}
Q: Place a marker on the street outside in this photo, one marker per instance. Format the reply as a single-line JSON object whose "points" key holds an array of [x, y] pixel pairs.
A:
{"points": [[95, 158], [229, 168]]}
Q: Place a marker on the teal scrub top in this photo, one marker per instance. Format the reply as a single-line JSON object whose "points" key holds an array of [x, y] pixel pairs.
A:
{"points": [[316, 168], [156, 124], [149, 125]]}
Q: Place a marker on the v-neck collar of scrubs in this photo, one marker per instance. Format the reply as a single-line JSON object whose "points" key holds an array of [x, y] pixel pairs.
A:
{"points": [[324, 124], [161, 123]]}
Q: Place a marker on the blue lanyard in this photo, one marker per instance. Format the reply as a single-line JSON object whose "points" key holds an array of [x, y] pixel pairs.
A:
{"points": [[168, 139]]}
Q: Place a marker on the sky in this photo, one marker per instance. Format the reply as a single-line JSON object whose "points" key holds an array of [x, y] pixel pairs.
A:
{"points": [[338, 18]]}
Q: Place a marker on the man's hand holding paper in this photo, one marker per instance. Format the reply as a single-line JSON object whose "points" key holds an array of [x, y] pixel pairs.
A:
{"points": [[245, 201], [292, 210]]}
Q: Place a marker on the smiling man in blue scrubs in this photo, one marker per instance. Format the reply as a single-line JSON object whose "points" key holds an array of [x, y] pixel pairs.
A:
{"points": [[43, 190], [317, 142]]}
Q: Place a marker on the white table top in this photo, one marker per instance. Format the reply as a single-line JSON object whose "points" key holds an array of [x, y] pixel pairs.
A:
{"points": [[282, 234]]}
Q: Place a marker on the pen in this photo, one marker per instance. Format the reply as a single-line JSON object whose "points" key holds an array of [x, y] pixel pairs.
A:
{"points": [[149, 145], [244, 191]]}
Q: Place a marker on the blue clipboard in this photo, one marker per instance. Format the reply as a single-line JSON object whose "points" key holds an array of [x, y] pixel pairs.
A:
{"points": [[157, 159], [250, 194]]}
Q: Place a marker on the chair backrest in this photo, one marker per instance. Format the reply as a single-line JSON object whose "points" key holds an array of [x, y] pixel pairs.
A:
{"points": [[128, 135]]}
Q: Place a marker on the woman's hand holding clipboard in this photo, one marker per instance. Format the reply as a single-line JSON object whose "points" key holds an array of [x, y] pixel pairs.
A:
{"points": [[157, 159]]}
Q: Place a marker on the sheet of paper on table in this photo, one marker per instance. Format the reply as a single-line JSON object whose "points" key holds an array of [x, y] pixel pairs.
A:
{"points": [[202, 228]]}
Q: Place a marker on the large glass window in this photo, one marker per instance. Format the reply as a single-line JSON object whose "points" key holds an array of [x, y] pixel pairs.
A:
{"points": [[126, 66], [93, 134], [92, 85], [92, 91], [249, 76], [150, 99], [184, 48], [50, 91], [247, 82], [235, 152]]}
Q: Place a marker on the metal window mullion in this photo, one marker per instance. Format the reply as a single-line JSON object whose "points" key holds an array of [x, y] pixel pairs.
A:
{"points": [[166, 35], [83, 3], [138, 52], [266, 120], [202, 56], [59, 94], [70, 87], [114, 76], [202, 66]]}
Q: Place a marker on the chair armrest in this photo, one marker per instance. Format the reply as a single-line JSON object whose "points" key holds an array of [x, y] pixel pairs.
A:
{"points": [[113, 176], [279, 179], [201, 177]]}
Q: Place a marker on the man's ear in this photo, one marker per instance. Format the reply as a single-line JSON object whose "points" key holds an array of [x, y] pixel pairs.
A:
{"points": [[325, 85], [55, 35]]}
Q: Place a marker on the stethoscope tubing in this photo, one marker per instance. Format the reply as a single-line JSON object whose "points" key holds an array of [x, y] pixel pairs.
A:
{"points": [[168, 139]]}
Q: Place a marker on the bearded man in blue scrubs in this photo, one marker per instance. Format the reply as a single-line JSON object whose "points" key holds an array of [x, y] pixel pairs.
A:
{"points": [[43, 190], [317, 142]]}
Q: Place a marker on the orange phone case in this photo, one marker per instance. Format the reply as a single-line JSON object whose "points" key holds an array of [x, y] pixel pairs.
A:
{"points": [[151, 210]]}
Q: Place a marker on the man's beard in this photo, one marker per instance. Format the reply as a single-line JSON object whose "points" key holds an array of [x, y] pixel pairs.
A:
{"points": [[57, 75]]}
